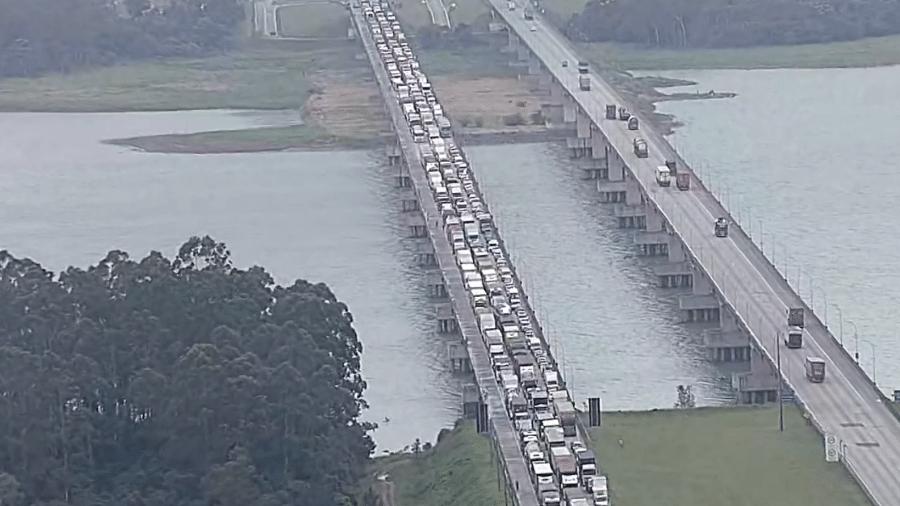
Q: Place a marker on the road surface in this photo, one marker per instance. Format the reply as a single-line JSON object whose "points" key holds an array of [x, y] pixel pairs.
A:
{"points": [[846, 404]]}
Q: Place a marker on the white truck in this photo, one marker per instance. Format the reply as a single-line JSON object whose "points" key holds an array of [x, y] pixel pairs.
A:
{"points": [[663, 177], [600, 491]]}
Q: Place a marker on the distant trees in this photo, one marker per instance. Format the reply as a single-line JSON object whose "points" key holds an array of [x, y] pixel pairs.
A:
{"points": [[39, 36], [175, 382], [733, 23]]}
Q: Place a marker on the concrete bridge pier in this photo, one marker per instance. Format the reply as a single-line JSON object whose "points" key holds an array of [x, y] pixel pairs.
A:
{"points": [[597, 166], [728, 342], [580, 145], [446, 320], [436, 287], [759, 385], [393, 153], [702, 305], [415, 226], [425, 255], [512, 41]]}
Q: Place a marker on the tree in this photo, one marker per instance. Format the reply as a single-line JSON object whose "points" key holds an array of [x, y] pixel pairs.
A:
{"points": [[685, 397], [133, 382]]}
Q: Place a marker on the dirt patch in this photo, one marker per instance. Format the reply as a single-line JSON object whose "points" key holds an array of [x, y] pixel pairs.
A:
{"points": [[487, 100], [346, 105]]}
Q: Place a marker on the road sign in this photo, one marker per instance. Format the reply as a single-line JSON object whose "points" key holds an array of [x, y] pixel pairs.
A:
{"points": [[831, 448]]}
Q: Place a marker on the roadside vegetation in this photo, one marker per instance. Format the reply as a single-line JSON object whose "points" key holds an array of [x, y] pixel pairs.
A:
{"points": [[41, 36], [870, 52], [458, 471], [716, 456], [724, 23], [176, 381], [322, 19]]}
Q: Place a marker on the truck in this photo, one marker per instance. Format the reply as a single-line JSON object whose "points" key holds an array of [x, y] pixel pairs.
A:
{"points": [[662, 176], [721, 227], [673, 167], [565, 411], [640, 147], [564, 464], [528, 14], [587, 468], [583, 67], [793, 338], [795, 317], [554, 437], [815, 369], [610, 111], [511, 6], [600, 491], [624, 114], [683, 181], [584, 82], [633, 123]]}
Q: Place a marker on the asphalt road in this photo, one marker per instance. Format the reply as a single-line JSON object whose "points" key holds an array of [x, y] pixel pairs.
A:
{"points": [[846, 404], [503, 432]]}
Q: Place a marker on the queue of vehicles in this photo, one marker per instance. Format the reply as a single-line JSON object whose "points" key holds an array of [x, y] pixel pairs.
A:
{"points": [[563, 470]]}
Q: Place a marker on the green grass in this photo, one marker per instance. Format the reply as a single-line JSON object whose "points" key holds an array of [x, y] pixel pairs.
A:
{"points": [[412, 15], [458, 471], [714, 457], [263, 75], [860, 53], [564, 9], [470, 12], [313, 20], [306, 137], [479, 61]]}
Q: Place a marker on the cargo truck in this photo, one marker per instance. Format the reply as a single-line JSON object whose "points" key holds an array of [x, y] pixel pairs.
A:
{"points": [[564, 464], [610, 111], [794, 337], [683, 181], [721, 227], [640, 148], [673, 167], [584, 82], [624, 114], [587, 468], [795, 317], [600, 491], [511, 6], [662, 176], [815, 369], [565, 411], [528, 14], [583, 67]]}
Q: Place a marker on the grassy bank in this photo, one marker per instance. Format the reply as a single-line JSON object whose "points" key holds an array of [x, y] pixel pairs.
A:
{"points": [[302, 137], [860, 53], [710, 457], [263, 75], [458, 471], [313, 20]]}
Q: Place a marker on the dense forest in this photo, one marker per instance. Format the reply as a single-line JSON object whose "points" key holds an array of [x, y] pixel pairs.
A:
{"points": [[176, 382], [733, 23], [38, 36]]}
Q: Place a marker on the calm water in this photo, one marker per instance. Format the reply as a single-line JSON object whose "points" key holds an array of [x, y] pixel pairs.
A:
{"points": [[805, 151], [321, 216], [813, 154]]}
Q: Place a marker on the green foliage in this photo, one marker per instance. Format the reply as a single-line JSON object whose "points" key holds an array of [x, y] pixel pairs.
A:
{"points": [[175, 382], [40, 36], [728, 23]]}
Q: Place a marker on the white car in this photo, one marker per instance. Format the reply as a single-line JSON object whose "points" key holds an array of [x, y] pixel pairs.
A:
{"points": [[533, 28]]}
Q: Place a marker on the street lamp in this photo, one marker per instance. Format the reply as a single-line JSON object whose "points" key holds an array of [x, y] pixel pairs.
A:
{"points": [[873, 360], [812, 293], [841, 320], [856, 338]]}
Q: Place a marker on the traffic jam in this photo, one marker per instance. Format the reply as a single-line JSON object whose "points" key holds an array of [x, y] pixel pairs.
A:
{"points": [[563, 470]]}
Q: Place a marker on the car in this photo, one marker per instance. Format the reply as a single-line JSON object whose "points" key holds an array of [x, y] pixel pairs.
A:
{"points": [[565, 63], [532, 28]]}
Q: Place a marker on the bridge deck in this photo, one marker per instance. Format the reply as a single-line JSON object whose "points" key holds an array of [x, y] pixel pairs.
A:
{"points": [[846, 404], [504, 433]]}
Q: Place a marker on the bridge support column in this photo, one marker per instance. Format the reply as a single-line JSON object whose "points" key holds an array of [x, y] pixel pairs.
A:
{"points": [[760, 384], [446, 320], [630, 216], [652, 244], [552, 105], [580, 145], [425, 255], [415, 226], [522, 53], [436, 287], [513, 41], [728, 343]]}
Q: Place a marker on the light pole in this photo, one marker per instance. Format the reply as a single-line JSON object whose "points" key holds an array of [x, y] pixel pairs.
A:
{"points": [[856, 338], [841, 320], [874, 382], [780, 382]]}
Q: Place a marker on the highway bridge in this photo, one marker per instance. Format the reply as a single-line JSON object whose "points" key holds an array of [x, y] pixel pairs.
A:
{"points": [[733, 282]]}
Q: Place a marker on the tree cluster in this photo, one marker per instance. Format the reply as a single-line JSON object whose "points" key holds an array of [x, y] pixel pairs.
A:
{"points": [[733, 23], [182, 382], [39, 36]]}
